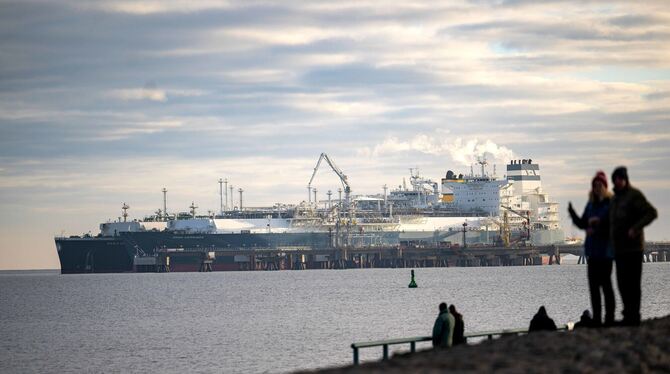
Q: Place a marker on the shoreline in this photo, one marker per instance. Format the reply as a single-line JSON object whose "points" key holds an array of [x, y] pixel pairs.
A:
{"points": [[643, 349]]}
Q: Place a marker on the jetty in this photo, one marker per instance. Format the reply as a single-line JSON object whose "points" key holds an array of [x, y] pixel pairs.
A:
{"points": [[401, 256]]}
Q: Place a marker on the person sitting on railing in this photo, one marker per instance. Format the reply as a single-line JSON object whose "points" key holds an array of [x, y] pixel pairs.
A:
{"points": [[541, 321], [459, 326], [443, 329]]}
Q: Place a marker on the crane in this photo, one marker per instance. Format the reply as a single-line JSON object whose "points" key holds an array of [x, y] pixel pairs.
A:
{"points": [[525, 216], [338, 171], [503, 226]]}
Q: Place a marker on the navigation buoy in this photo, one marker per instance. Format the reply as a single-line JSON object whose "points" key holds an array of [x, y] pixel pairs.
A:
{"points": [[412, 283]]}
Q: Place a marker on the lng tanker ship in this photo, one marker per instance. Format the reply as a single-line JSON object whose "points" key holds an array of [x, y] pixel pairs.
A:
{"points": [[495, 211]]}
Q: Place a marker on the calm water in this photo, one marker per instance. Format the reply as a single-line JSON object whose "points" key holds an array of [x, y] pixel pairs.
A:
{"points": [[267, 321]]}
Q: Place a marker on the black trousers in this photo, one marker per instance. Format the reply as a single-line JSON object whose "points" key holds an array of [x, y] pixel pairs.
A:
{"points": [[600, 277], [629, 277]]}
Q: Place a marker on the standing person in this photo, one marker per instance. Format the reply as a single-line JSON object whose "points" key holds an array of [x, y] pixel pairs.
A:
{"points": [[597, 249], [459, 326], [443, 329], [630, 212], [541, 321]]}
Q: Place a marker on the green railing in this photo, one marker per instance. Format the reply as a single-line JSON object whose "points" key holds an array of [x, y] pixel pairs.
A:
{"points": [[418, 339]]}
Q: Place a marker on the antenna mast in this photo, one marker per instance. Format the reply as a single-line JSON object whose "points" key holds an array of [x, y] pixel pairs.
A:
{"points": [[225, 182], [482, 161], [125, 208], [165, 203], [221, 195]]}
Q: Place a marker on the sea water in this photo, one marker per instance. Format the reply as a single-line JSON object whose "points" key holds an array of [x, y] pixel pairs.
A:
{"points": [[241, 322]]}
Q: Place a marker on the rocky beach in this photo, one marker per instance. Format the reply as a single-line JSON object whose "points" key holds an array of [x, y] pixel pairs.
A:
{"points": [[643, 349]]}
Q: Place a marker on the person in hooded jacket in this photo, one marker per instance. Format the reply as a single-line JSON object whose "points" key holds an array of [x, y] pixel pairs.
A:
{"points": [[630, 212], [597, 248], [443, 329], [459, 326], [541, 321]]}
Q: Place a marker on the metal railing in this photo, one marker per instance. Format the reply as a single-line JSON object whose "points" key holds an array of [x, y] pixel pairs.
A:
{"points": [[418, 339]]}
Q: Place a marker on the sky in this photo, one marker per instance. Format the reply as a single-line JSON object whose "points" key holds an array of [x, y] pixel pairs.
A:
{"points": [[106, 102]]}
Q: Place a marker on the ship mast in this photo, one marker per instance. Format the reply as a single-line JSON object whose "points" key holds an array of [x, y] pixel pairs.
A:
{"points": [[165, 213], [221, 196], [225, 190], [482, 161], [125, 208], [193, 206]]}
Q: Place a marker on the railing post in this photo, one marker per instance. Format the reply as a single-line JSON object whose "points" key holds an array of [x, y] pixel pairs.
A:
{"points": [[386, 351], [490, 337], [355, 355], [412, 347]]}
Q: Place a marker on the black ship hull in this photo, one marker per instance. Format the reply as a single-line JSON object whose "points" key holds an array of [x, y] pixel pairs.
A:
{"points": [[93, 255], [119, 253]]}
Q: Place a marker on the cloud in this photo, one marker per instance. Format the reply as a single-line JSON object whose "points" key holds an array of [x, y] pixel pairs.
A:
{"points": [[140, 94], [147, 7], [663, 95], [153, 94], [638, 20], [461, 151]]}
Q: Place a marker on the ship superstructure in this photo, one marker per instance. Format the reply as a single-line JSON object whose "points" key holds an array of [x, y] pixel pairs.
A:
{"points": [[524, 193], [474, 193]]}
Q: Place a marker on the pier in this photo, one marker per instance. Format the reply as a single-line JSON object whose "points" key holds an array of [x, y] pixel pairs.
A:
{"points": [[291, 258]]}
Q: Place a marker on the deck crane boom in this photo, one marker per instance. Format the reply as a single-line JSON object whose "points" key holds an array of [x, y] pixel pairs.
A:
{"points": [[525, 217], [338, 171]]}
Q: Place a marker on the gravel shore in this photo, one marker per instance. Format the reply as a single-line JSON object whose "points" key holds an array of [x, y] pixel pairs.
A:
{"points": [[644, 349]]}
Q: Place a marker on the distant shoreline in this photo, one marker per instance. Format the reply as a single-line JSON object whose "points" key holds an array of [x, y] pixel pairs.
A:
{"points": [[9, 271]]}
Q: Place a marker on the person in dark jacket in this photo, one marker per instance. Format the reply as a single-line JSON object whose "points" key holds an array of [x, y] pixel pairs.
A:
{"points": [[541, 321], [597, 248], [443, 329], [459, 326], [630, 212], [585, 320]]}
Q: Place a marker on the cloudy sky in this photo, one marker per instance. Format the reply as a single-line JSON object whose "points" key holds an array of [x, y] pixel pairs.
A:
{"points": [[108, 102]]}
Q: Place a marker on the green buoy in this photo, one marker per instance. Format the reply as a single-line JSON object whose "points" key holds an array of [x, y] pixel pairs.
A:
{"points": [[412, 283]]}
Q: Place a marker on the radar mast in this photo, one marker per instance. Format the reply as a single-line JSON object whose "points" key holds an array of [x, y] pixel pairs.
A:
{"points": [[125, 208]]}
